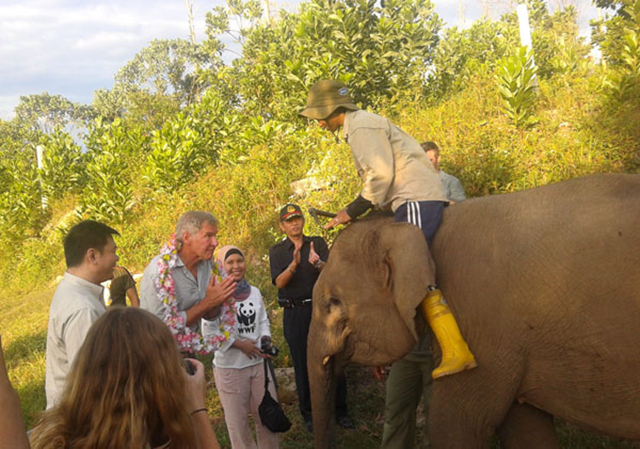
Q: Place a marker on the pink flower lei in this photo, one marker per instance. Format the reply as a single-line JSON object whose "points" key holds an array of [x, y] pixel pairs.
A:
{"points": [[187, 339]]}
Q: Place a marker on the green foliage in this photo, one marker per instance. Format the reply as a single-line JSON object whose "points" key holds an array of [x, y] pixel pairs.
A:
{"points": [[168, 68], [245, 14], [515, 77], [45, 112], [16, 141], [623, 82], [555, 37], [21, 209], [113, 160], [463, 53], [382, 52], [62, 169], [607, 32], [179, 150]]}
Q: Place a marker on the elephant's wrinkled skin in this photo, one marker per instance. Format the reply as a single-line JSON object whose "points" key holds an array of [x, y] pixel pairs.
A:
{"points": [[545, 285]]}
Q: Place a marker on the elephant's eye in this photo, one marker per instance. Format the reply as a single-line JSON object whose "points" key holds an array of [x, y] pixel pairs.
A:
{"points": [[334, 301]]}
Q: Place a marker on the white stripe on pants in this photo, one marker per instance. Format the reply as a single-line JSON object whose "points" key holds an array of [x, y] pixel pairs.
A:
{"points": [[413, 214], [241, 390]]}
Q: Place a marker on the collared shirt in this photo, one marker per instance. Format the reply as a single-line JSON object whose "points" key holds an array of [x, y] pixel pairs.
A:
{"points": [[76, 305], [189, 290], [392, 165], [301, 284], [452, 187]]}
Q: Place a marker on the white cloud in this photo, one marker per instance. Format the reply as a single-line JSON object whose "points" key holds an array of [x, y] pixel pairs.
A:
{"points": [[73, 47], [7, 103]]}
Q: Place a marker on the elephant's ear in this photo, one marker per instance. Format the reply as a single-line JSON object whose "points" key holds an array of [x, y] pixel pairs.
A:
{"points": [[409, 266]]}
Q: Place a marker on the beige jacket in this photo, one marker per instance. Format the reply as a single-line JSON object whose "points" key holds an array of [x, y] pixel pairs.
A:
{"points": [[392, 165]]}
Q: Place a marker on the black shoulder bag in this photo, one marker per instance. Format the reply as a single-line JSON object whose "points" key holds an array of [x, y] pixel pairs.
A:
{"points": [[271, 413]]}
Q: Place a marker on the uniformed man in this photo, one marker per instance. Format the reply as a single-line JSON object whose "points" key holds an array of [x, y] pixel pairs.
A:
{"points": [[296, 263]]}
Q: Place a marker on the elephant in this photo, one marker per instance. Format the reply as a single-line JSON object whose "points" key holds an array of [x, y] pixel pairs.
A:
{"points": [[545, 286]]}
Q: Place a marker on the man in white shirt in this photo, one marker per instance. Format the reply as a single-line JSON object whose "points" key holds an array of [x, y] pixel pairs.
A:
{"points": [[90, 254]]}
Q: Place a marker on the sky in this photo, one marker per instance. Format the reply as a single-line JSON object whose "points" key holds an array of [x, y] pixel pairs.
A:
{"points": [[74, 47]]}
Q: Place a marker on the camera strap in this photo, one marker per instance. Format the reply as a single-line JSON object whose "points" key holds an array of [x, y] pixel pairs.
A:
{"points": [[267, 362]]}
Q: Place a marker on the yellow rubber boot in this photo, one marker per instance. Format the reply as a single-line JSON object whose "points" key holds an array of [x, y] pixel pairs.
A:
{"points": [[456, 355]]}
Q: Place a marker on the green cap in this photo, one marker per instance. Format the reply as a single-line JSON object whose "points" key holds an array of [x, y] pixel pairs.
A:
{"points": [[325, 97]]}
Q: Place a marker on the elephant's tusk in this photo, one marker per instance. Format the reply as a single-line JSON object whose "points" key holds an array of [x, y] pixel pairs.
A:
{"points": [[326, 360]]}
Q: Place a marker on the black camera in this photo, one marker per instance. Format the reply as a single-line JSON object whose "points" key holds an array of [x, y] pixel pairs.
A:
{"points": [[188, 366], [266, 346]]}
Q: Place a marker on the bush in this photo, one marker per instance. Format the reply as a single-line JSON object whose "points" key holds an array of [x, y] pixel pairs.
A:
{"points": [[63, 166], [516, 79]]}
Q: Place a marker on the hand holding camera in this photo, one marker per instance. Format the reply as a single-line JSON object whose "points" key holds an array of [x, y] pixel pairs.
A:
{"points": [[189, 367], [196, 384], [267, 347]]}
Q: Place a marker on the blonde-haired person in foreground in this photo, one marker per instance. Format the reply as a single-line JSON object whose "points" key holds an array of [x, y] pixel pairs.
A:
{"points": [[129, 392]]}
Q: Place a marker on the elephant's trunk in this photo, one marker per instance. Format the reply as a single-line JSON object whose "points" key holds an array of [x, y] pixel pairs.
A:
{"points": [[322, 382]]}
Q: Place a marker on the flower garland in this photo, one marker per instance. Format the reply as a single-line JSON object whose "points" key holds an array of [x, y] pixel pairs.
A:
{"points": [[187, 339]]}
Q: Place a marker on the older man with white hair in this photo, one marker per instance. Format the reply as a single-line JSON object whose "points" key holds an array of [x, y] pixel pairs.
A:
{"points": [[182, 273]]}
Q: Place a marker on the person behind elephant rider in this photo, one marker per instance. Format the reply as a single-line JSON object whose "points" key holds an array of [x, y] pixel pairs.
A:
{"points": [[452, 186], [197, 295], [410, 377], [296, 263], [238, 364], [396, 174]]}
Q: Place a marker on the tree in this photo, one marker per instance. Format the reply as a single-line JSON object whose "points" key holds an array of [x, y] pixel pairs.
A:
{"points": [[16, 141], [63, 167], [381, 51], [44, 112], [461, 53], [168, 67], [608, 32]]}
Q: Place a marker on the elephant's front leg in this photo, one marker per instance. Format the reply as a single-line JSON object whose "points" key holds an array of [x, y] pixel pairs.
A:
{"points": [[467, 408], [526, 427]]}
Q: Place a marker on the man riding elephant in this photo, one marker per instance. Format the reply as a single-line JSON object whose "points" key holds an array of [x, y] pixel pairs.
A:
{"points": [[396, 174]]}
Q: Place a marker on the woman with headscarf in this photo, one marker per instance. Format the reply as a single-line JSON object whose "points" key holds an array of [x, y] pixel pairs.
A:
{"points": [[238, 364]]}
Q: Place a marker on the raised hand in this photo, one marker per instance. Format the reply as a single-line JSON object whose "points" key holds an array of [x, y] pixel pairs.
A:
{"points": [[219, 293], [313, 256], [296, 252], [293, 266]]}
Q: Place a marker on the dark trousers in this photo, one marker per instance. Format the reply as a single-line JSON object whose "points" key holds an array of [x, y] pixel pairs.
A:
{"points": [[424, 214], [296, 323]]}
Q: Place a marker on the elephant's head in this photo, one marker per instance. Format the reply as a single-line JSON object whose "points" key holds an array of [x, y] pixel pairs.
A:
{"points": [[364, 306]]}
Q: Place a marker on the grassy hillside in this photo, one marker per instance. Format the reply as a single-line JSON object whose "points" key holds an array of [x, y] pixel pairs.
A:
{"points": [[576, 134]]}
